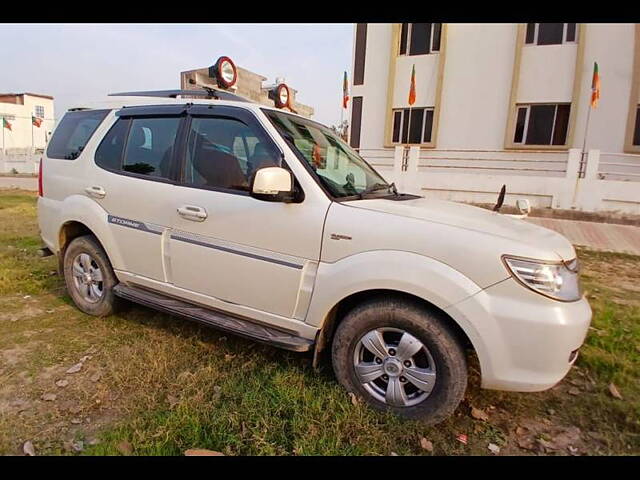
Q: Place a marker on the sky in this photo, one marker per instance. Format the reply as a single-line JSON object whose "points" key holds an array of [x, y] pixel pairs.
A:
{"points": [[78, 63]]}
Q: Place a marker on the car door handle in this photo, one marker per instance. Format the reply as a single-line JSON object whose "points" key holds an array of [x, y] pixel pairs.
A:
{"points": [[95, 191], [191, 212]]}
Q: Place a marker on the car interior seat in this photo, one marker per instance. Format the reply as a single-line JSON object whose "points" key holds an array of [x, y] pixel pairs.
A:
{"points": [[217, 168]]}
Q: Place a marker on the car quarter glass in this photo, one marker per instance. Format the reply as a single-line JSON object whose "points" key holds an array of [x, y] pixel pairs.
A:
{"points": [[109, 152], [73, 133]]}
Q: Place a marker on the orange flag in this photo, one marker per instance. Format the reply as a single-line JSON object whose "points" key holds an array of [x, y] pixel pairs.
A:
{"points": [[595, 86], [345, 91], [412, 88]]}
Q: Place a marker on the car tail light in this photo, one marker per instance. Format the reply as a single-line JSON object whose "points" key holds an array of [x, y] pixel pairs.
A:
{"points": [[40, 192]]}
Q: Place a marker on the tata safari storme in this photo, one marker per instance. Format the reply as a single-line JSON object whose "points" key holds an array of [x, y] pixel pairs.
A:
{"points": [[266, 224]]}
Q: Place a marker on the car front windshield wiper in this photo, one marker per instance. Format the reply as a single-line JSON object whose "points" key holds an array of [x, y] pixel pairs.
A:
{"points": [[373, 188]]}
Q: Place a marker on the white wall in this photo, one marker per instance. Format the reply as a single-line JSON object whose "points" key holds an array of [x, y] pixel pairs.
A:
{"points": [[477, 177], [20, 163], [477, 83], [476, 86], [546, 73], [612, 46], [470, 162], [374, 89], [426, 80]]}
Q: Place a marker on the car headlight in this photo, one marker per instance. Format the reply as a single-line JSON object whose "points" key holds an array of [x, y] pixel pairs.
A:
{"points": [[556, 280]]}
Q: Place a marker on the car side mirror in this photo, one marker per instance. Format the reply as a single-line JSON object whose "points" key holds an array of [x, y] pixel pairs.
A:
{"points": [[272, 184]]}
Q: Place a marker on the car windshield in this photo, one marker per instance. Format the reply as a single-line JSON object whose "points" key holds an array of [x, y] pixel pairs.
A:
{"points": [[340, 169]]}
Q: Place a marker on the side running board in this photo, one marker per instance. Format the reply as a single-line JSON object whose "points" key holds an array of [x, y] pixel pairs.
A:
{"points": [[214, 318]]}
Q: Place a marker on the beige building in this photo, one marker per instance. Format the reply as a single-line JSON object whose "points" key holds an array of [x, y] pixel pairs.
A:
{"points": [[18, 110], [501, 104], [249, 85]]}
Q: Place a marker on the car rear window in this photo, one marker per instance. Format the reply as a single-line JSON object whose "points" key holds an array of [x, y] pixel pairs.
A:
{"points": [[73, 133]]}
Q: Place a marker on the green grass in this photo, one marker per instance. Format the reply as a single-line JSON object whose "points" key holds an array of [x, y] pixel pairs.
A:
{"points": [[168, 385]]}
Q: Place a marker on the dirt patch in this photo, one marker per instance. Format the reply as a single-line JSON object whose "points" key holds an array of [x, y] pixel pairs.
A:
{"points": [[614, 274], [56, 405], [13, 356], [543, 436], [26, 312]]}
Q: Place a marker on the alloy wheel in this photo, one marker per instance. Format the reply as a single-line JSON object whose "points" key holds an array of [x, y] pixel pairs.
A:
{"points": [[87, 278], [394, 367]]}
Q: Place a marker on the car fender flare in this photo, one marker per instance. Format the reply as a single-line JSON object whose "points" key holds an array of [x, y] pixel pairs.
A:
{"points": [[81, 209], [418, 275]]}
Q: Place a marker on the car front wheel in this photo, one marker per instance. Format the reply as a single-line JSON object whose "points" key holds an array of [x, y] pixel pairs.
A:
{"points": [[400, 356]]}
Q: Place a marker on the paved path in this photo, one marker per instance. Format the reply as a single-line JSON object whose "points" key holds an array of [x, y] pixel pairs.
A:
{"points": [[597, 236], [25, 183]]}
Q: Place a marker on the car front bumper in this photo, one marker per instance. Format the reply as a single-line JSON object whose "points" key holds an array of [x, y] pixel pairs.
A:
{"points": [[524, 341]]}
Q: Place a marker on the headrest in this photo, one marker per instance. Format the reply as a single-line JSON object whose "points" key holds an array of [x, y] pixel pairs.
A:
{"points": [[138, 138], [261, 150]]}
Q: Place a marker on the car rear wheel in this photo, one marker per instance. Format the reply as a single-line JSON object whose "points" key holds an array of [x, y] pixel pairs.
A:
{"points": [[89, 277], [400, 356]]}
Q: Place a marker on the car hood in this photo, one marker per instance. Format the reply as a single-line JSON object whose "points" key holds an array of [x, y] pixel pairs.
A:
{"points": [[475, 219]]}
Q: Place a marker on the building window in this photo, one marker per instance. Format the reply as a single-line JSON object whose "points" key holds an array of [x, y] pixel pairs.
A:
{"points": [[361, 48], [420, 38], [542, 124], [39, 111], [636, 132], [551, 33], [356, 119], [412, 125]]}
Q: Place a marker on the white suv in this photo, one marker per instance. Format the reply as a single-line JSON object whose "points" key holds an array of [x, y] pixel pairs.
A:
{"points": [[268, 225]]}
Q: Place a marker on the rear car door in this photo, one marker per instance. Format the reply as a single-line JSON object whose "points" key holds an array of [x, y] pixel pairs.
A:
{"points": [[134, 184], [227, 244]]}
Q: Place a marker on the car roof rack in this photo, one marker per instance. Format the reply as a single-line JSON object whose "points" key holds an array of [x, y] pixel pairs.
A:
{"points": [[205, 93]]}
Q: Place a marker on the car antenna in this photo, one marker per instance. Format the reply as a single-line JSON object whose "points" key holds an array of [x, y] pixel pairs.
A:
{"points": [[500, 201]]}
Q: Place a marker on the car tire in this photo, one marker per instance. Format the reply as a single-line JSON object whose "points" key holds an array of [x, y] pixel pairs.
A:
{"points": [[440, 362], [92, 293]]}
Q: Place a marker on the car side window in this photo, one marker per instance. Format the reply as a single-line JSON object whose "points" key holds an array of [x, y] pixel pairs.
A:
{"points": [[73, 133], [223, 152], [109, 152], [149, 146]]}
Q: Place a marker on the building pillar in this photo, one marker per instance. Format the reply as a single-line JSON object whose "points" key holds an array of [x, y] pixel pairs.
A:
{"points": [[566, 197], [398, 160], [412, 184]]}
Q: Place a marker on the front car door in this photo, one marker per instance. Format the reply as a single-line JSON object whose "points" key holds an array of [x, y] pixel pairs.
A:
{"points": [[227, 245]]}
